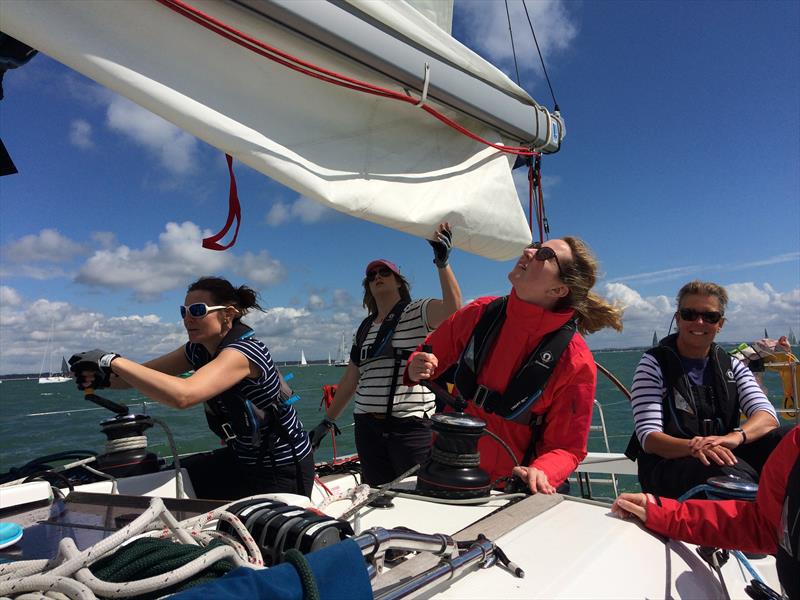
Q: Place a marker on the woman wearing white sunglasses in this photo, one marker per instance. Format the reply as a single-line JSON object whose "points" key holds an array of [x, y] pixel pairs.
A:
{"points": [[267, 449]]}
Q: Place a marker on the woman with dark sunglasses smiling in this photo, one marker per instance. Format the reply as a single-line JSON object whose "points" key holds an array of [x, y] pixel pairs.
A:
{"points": [[493, 341], [267, 449], [392, 432], [688, 396]]}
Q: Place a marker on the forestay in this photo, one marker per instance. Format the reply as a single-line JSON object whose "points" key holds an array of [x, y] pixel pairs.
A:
{"points": [[370, 157]]}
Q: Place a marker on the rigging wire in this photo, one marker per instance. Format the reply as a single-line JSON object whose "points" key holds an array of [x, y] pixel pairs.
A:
{"points": [[513, 50], [546, 76]]}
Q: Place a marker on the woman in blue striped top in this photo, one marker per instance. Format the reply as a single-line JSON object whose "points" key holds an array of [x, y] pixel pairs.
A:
{"points": [[688, 397], [267, 449]]}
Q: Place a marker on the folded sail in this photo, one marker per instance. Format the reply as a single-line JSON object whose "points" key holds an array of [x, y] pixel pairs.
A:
{"points": [[376, 159]]}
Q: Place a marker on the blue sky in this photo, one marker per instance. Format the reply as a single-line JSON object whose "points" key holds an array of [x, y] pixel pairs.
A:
{"points": [[682, 160]]}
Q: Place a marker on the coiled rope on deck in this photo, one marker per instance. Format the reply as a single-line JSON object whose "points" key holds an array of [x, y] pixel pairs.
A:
{"points": [[69, 572]]}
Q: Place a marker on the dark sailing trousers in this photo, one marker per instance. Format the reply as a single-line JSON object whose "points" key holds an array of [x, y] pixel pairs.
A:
{"points": [[387, 452], [672, 477], [219, 475]]}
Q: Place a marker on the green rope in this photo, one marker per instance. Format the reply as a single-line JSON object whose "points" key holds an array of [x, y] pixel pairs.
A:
{"points": [[148, 557], [295, 558]]}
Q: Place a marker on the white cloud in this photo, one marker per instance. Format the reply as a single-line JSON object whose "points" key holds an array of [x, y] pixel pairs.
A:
{"points": [[80, 134], [751, 308], [315, 302], [260, 269], [27, 328], [9, 296], [46, 246], [175, 149], [105, 239], [177, 258], [487, 30], [170, 263], [303, 210]]}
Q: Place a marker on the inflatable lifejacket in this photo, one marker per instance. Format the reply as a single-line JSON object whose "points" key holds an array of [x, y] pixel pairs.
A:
{"points": [[527, 385]]}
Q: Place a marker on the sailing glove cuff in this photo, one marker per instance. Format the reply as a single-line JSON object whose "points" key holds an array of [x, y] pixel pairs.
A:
{"points": [[96, 360], [441, 247]]}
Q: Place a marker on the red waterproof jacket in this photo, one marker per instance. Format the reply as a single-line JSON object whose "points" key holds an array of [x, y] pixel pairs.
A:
{"points": [[566, 401], [733, 524]]}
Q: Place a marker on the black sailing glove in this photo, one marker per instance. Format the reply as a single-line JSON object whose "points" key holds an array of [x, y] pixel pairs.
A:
{"points": [[320, 431], [442, 246], [98, 361]]}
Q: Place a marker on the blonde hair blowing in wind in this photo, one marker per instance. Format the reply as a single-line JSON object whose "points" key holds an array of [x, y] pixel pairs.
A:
{"points": [[593, 312]]}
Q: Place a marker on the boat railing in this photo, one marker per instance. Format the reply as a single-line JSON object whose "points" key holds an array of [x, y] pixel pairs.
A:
{"points": [[787, 370]]}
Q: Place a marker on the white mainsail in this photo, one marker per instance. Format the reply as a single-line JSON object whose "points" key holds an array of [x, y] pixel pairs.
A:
{"points": [[377, 159], [303, 361]]}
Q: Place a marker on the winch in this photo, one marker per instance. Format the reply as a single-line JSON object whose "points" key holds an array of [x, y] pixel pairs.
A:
{"points": [[126, 446], [454, 468]]}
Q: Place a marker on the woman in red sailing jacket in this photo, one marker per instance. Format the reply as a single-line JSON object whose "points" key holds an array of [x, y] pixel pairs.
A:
{"points": [[506, 348], [771, 524]]}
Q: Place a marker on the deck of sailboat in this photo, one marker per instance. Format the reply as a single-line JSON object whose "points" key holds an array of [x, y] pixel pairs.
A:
{"points": [[567, 547]]}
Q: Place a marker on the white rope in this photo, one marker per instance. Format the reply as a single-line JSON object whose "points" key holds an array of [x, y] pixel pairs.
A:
{"points": [[68, 574], [133, 442]]}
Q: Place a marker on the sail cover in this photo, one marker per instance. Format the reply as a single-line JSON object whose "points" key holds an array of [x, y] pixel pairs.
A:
{"points": [[370, 157]]}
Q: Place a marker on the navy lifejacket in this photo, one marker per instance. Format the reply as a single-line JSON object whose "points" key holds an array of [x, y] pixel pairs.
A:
{"points": [[229, 417], [382, 345], [689, 409], [527, 385]]}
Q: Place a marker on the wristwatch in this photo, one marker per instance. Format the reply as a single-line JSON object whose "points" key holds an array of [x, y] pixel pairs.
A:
{"points": [[744, 435]]}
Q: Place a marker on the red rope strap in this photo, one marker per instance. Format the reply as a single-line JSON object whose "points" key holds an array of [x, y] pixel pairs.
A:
{"points": [[234, 212]]}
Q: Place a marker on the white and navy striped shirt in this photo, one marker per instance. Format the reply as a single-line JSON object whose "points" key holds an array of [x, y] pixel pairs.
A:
{"points": [[376, 374], [263, 392], [649, 390]]}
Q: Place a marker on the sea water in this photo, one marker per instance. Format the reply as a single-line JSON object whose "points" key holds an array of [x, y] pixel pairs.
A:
{"points": [[39, 419]]}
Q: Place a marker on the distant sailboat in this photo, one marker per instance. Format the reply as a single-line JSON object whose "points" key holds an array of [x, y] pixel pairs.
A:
{"points": [[343, 359], [330, 362], [655, 338], [766, 335], [63, 376], [303, 361], [792, 338]]}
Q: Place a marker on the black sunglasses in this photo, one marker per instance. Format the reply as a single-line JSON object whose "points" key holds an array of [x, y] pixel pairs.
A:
{"points": [[689, 314], [384, 272], [544, 253]]}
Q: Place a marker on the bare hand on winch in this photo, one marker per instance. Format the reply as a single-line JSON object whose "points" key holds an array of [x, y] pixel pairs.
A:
{"points": [[536, 479], [422, 365]]}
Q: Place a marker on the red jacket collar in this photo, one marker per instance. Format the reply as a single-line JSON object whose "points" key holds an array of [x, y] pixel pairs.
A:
{"points": [[535, 317]]}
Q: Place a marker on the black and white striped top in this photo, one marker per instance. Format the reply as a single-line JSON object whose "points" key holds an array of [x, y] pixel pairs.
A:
{"points": [[375, 374], [263, 392], [648, 393]]}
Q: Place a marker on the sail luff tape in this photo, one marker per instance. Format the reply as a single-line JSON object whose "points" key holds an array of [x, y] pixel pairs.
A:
{"points": [[425, 84]]}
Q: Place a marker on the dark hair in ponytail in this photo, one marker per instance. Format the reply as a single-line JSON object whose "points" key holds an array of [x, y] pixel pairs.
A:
{"points": [[223, 292]]}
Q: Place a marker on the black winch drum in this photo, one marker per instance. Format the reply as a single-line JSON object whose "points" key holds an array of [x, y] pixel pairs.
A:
{"points": [[454, 468]]}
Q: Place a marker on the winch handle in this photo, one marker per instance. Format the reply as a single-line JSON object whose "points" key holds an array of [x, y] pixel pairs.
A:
{"points": [[441, 393], [120, 409]]}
